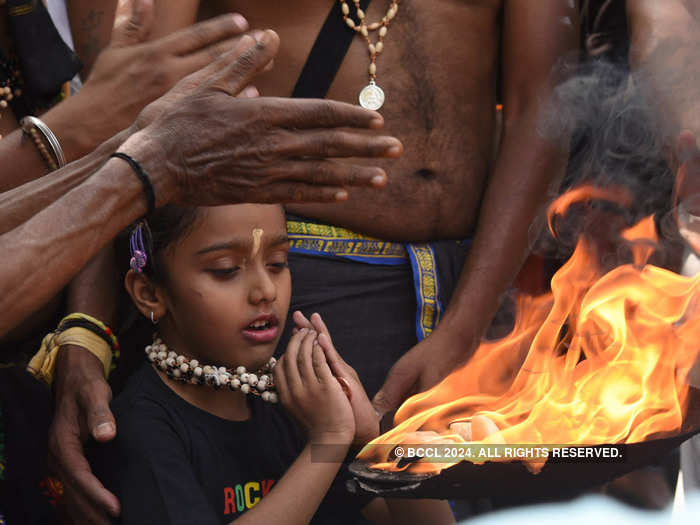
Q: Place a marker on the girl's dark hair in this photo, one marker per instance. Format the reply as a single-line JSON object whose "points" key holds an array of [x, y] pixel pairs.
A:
{"points": [[161, 230]]}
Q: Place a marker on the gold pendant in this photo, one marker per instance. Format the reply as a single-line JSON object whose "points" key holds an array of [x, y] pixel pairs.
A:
{"points": [[371, 96]]}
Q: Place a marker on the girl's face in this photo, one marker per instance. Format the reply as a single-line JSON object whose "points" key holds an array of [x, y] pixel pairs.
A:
{"points": [[228, 286]]}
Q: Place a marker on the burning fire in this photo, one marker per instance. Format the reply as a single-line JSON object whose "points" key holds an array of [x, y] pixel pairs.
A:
{"points": [[602, 359]]}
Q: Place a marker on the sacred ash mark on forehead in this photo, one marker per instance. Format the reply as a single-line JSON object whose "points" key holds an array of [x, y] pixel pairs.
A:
{"points": [[257, 241]]}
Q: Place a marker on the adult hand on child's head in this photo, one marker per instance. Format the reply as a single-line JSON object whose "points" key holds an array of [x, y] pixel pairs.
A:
{"points": [[134, 70], [366, 419], [214, 149], [308, 391], [82, 410]]}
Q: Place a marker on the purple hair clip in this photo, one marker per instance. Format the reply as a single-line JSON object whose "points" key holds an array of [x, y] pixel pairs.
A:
{"points": [[138, 252]]}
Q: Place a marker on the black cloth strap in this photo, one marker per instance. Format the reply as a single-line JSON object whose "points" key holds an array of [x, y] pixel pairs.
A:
{"points": [[47, 62], [328, 52]]}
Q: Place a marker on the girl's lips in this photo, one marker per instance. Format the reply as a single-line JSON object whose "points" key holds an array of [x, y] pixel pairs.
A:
{"points": [[261, 336]]}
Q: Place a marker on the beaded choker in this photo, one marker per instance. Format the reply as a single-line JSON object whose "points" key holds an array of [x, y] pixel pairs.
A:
{"points": [[180, 368]]}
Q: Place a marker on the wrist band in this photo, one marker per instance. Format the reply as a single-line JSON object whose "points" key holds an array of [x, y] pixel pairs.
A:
{"points": [[30, 125], [143, 177], [80, 330]]}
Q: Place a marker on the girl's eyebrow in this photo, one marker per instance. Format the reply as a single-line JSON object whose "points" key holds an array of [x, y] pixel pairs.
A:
{"points": [[243, 244]]}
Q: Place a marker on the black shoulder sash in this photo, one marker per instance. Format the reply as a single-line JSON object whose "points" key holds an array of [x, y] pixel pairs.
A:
{"points": [[327, 53]]}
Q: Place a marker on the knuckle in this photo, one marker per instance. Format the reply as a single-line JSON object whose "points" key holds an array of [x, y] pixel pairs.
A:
{"points": [[318, 144], [266, 151], [94, 391], [353, 175], [247, 61], [326, 111], [199, 34], [320, 172], [295, 193]]}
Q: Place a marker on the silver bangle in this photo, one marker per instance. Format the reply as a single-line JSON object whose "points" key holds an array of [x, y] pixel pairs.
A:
{"points": [[28, 122]]}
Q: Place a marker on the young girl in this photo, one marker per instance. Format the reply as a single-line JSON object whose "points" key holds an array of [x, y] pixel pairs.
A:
{"points": [[200, 436]]}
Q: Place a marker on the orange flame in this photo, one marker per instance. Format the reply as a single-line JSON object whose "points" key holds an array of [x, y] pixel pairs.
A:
{"points": [[602, 359]]}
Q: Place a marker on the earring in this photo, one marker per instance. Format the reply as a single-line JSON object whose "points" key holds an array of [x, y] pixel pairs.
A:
{"points": [[153, 319]]}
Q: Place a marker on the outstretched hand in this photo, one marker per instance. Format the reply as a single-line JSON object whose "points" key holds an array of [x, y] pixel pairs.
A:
{"points": [[213, 149], [134, 70]]}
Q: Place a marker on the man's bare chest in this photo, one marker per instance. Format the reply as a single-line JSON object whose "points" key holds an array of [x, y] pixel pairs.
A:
{"points": [[431, 57]]}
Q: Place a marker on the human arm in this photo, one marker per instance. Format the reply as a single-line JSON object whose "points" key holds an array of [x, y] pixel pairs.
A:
{"points": [[399, 511], [201, 147], [366, 421], [199, 144], [308, 391], [128, 75], [91, 25], [525, 167]]}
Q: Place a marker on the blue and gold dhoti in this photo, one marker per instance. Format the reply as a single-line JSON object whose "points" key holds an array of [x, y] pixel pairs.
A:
{"points": [[377, 297]]}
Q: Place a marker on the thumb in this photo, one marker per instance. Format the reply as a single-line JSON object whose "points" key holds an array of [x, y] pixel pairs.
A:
{"points": [[99, 418], [134, 27], [396, 388]]}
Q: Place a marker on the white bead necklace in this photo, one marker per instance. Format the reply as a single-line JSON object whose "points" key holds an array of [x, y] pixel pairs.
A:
{"points": [[180, 368]]}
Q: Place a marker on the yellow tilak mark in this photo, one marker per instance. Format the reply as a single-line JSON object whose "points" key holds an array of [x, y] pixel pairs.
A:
{"points": [[257, 237]]}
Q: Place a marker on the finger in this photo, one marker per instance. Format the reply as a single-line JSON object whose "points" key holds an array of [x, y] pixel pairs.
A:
{"points": [[345, 386], [80, 509], [67, 453], [96, 495], [303, 182], [281, 381], [398, 384], [95, 403], [135, 27], [319, 325], [249, 92], [238, 68], [306, 369], [300, 320], [317, 113], [204, 34], [328, 173], [320, 366], [291, 369], [334, 360], [203, 57], [329, 143], [289, 192]]}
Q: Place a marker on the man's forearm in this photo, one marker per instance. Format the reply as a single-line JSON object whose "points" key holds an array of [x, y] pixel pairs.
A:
{"points": [[45, 252], [23, 202], [91, 24], [94, 289], [525, 169]]}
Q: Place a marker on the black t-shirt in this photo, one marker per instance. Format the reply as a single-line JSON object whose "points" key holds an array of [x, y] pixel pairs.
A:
{"points": [[172, 462]]}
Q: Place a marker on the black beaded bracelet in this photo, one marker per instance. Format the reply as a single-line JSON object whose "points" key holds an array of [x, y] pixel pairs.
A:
{"points": [[143, 177]]}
